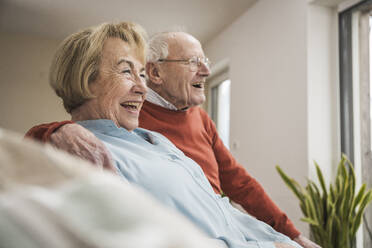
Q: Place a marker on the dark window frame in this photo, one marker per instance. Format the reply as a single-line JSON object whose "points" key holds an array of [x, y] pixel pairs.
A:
{"points": [[346, 94], [346, 77]]}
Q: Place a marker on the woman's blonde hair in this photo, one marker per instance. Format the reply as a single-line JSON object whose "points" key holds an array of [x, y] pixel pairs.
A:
{"points": [[77, 59]]}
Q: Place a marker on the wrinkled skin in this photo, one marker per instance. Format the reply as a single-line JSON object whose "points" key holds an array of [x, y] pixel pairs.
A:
{"points": [[79, 141], [305, 242], [174, 81], [120, 81], [281, 245]]}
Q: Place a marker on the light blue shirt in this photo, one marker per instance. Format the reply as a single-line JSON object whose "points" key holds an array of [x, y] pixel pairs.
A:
{"points": [[151, 161]]}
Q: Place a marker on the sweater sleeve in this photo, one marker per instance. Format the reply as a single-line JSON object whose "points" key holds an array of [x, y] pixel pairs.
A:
{"points": [[43, 132], [243, 189]]}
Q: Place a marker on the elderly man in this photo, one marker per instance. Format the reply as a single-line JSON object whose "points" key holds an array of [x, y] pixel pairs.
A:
{"points": [[176, 70]]}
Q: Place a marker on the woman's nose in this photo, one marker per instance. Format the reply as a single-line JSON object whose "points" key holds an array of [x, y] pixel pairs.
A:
{"points": [[140, 87]]}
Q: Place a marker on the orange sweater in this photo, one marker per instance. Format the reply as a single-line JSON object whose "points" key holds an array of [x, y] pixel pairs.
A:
{"points": [[194, 133]]}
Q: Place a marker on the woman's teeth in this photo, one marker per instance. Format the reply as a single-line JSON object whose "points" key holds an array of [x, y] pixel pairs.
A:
{"points": [[133, 105]]}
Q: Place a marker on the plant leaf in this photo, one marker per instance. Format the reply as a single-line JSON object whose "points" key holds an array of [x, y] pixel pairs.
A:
{"points": [[320, 178], [310, 221], [367, 198], [290, 183]]}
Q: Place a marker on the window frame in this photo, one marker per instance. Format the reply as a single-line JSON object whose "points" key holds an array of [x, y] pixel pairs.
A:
{"points": [[347, 101], [214, 81]]}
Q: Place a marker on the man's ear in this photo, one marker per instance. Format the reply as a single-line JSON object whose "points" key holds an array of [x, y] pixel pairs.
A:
{"points": [[153, 73]]}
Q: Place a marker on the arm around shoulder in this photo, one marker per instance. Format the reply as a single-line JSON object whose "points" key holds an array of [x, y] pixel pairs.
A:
{"points": [[43, 132], [76, 140]]}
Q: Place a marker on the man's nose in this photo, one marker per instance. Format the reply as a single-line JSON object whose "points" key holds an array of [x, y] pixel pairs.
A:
{"points": [[204, 70]]}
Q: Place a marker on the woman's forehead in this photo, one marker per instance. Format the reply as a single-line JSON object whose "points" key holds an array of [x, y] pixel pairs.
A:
{"points": [[116, 52], [115, 47]]}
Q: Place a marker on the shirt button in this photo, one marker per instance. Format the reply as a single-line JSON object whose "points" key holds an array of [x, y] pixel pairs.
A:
{"points": [[197, 175], [173, 157]]}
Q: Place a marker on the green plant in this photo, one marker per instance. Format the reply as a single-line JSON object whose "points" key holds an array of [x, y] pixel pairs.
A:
{"points": [[334, 215]]}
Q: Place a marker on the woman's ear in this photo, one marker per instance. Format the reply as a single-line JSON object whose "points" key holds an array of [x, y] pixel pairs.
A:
{"points": [[153, 73]]}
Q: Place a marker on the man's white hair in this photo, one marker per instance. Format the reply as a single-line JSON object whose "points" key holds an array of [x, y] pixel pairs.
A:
{"points": [[158, 47], [158, 44]]}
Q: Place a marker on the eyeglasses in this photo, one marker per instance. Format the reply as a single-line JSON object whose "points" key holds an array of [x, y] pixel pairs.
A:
{"points": [[194, 62]]}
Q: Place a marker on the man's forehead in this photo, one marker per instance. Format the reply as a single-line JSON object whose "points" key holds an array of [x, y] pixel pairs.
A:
{"points": [[183, 44]]}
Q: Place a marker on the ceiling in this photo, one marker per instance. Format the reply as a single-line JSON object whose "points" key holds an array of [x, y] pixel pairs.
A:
{"points": [[57, 19]]}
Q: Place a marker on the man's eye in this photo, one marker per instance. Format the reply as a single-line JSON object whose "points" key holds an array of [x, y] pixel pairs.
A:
{"points": [[194, 61]]}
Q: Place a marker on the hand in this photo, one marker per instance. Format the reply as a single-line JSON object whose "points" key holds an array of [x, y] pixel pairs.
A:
{"points": [[305, 242], [79, 141], [282, 245]]}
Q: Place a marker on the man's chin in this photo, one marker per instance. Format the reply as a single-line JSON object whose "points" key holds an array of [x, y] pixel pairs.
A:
{"points": [[197, 101]]}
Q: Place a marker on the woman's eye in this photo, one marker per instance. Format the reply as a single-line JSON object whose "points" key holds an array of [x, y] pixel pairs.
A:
{"points": [[127, 71], [143, 75]]}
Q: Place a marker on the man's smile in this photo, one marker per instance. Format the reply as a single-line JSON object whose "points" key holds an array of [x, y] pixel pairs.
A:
{"points": [[199, 85]]}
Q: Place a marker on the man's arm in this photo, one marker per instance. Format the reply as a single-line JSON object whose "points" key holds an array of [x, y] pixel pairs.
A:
{"points": [[282, 245], [246, 191], [43, 132], [76, 140], [305, 242], [243, 189]]}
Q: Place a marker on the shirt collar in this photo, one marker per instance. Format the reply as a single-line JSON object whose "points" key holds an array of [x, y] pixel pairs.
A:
{"points": [[156, 99], [106, 126]]}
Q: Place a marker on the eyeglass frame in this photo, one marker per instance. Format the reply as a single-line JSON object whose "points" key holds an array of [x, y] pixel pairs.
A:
{"points": [[197, 61]]}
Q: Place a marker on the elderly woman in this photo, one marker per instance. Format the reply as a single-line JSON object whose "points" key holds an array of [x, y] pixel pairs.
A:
{"points": [[99, 74]]}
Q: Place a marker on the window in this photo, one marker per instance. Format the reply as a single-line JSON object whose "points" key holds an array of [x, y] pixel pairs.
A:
{"points": [[355, 95], [219, 104]]}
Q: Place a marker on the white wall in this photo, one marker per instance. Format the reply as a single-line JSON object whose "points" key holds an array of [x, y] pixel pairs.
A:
{"points": [[26, 99], [283, 68], [323, 89]]}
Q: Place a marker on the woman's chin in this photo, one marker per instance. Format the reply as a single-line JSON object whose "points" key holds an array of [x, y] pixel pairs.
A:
{"points": [[129, 125]]}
